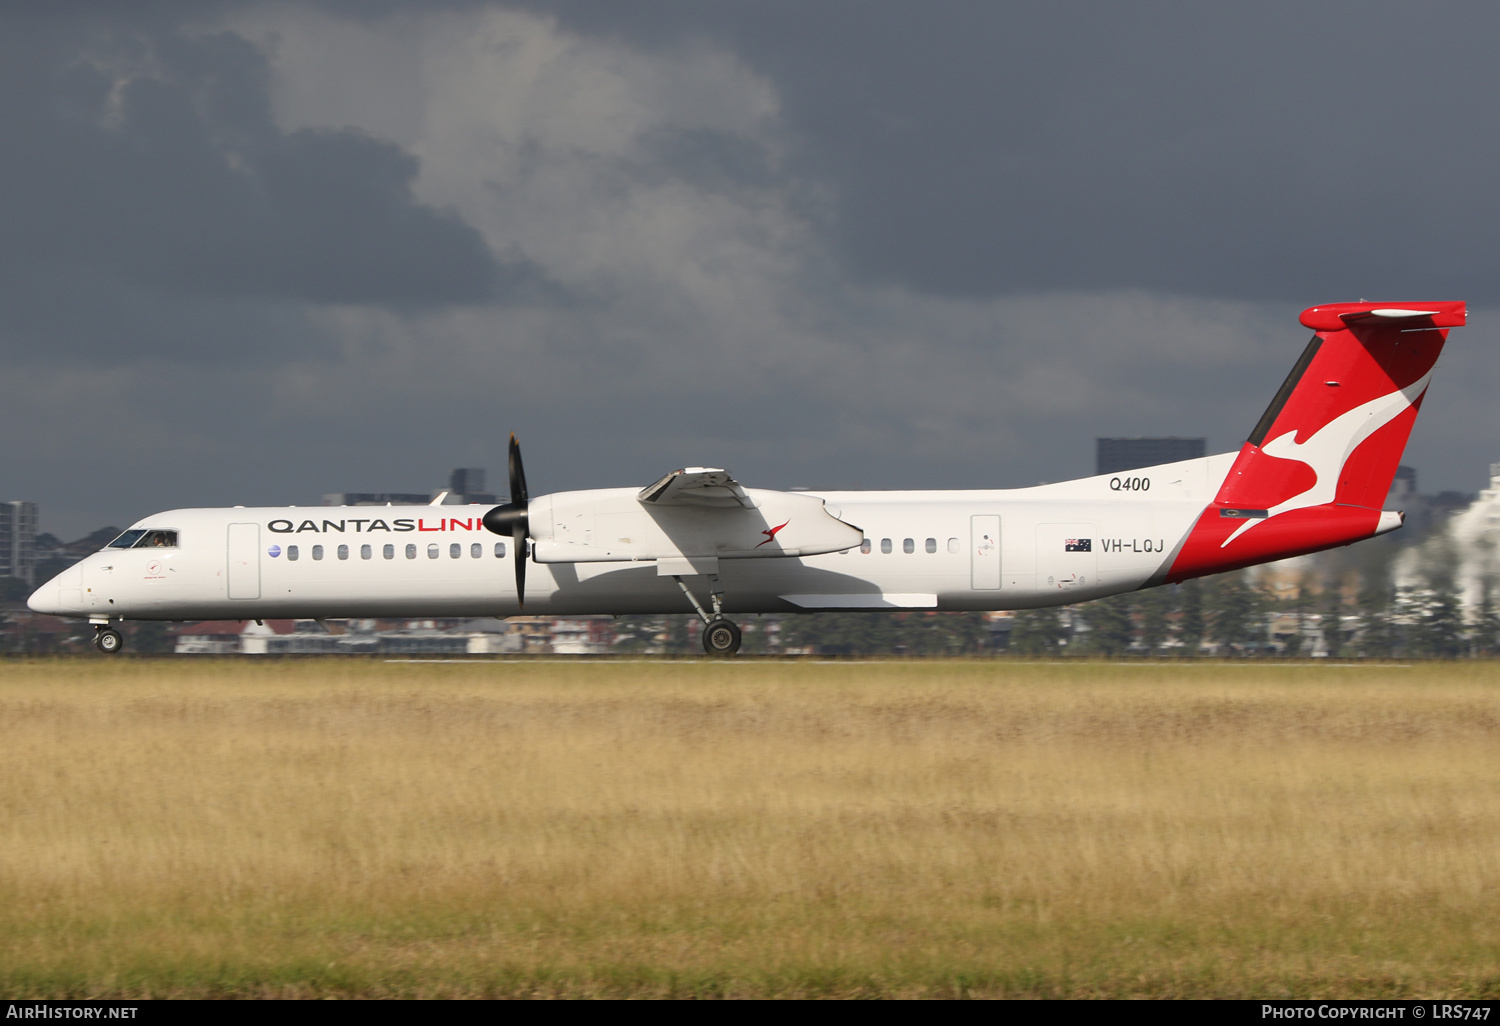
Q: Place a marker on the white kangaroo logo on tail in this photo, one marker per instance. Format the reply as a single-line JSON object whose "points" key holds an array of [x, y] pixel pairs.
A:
{"points": [[1331, 446]]}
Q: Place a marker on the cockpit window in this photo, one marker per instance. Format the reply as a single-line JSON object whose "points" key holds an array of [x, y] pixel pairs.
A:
{"points": [[145, 540]]}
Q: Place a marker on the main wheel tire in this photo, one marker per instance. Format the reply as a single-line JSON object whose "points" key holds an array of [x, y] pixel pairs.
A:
{"points": [[109, 641], [721, 638]]}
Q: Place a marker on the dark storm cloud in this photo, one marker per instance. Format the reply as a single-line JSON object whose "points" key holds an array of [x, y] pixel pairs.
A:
{"points": [[147, 158], [712, 160], [881, 245], [1283, 151]]}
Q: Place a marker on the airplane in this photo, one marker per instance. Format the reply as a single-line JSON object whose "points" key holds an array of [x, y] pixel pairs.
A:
{"points": [[1313, 474]]}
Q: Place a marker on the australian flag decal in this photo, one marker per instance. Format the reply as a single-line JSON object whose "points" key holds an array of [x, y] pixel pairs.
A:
{"points": [[1078, 545]]}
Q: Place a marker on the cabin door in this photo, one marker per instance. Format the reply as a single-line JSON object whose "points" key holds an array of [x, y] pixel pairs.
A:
{"points": [[984, 552], [244, 561]]}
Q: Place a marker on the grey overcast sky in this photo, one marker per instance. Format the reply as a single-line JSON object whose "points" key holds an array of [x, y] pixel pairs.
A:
{"points": [[253, 253]]}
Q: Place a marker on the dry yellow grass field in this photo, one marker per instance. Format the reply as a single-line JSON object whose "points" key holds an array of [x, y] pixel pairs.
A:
{"points": [[695, 828]]}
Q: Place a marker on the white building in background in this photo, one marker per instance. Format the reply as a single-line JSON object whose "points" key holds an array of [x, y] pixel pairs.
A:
{"points": [[227, 637], [582, 635], [354, 637], [18, 540], [1467, 546], [465, 485]]}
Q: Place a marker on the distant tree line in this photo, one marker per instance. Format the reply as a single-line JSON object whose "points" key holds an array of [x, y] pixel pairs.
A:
{"points": [[1345, 614], [849, 634], [1337, 610]]}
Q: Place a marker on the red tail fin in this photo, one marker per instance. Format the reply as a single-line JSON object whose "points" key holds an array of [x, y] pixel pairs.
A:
{"points": [[1318, 465]]}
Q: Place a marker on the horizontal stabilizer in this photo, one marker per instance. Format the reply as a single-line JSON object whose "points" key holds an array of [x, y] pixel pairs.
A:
{"points": [[697, 486], [1338, 316]]}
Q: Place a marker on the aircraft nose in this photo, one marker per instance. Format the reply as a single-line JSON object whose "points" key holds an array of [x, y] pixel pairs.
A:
{"points": [[46, 599], [61, 596]]}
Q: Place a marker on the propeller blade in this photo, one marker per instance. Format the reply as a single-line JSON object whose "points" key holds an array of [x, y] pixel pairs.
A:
{"points": [[518, 495], [518, 541], [520, 526], [512, 519]]}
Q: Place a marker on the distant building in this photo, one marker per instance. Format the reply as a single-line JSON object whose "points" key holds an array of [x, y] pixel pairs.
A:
{"points": [[1423, 512], [18, 540], [1464, 546], [227, 637], [465, 485], [1403, 486], [354, 637], [1114, 455], [466, 481], [583, 635], [376, 499]]}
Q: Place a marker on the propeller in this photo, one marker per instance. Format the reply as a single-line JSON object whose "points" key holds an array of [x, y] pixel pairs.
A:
{"points": [[511, 519]]}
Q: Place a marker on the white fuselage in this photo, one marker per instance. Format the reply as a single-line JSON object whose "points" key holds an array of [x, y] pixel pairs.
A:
{"points": [[943, 550]]}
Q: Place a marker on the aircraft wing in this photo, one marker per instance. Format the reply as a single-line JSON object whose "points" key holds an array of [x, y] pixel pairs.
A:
{"points": [[697, 486], [696, 514]]}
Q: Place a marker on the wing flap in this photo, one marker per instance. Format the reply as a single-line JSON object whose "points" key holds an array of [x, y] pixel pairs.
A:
{"points": [[697, 486]]}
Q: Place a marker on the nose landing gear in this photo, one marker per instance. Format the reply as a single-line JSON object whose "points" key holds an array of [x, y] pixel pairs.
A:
{"points": [[721, 637], [108, 640]]}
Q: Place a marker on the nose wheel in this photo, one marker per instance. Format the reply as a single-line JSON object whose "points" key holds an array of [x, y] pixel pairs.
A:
{"points": [[721, 638], [108, 641]]}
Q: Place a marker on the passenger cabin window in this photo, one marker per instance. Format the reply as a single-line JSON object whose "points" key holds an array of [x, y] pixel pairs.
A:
{"points": [[317, 552], [139, 539], [411, 552], [909, 546], [455, 551], [365, 552], [292, 553], [931, 544], [432, 552], [953, 545], [476, 550], [343, 552], [499, 550], [864, 546], [389, 552], [885, 546]]}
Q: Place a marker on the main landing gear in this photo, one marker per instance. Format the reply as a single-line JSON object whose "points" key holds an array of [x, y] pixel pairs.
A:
{"points": [[721, 637], [108, 640]]}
